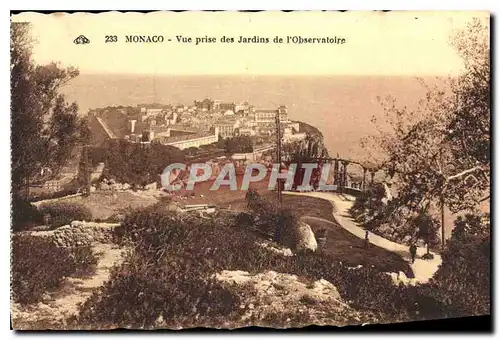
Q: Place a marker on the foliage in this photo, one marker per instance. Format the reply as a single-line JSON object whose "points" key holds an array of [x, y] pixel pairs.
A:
{"points": [[24, 214], [139, 296], [245, 220], [64, 213], [239, 144], [308, 150], [462, 283], [425, 227], [39, 266], [270, 219], [135, 163], [439, 154], [55, 194], [368, 203], [174, 257], [427, 256], [45, 128]]}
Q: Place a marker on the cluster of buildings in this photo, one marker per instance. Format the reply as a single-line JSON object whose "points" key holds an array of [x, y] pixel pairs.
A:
{"points": [[202, 123]]}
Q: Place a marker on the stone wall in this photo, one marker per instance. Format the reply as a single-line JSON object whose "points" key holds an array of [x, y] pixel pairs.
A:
{"points": [[79, 234]]}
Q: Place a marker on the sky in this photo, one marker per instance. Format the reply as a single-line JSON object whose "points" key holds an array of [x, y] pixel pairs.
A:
{"points": [[376, 43]]}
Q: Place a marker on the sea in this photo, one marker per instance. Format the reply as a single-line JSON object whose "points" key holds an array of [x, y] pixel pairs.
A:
{"points": [[341, 107]]}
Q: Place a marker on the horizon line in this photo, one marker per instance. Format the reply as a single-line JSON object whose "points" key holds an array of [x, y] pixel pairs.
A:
{"points": [[104, 73]]}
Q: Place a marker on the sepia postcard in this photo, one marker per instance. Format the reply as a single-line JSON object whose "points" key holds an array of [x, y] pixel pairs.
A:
{"points": [[223, 170]]}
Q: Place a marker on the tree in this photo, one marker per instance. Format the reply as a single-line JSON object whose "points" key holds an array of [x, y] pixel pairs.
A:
{"points": [[309, 150], [439, 154], [135, 163], [45, 128], [239, 144], [425, 227], [463, 281]]}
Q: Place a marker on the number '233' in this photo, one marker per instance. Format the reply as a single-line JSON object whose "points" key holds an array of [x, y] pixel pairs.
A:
{"points": [[110, 38]]}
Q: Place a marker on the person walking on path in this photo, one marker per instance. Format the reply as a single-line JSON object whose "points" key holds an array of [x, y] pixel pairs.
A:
{"points": [[413, 252], [367, 240]]}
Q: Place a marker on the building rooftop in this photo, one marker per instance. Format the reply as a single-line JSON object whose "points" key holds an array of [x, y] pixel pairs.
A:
{"points": [[266, 111], [186, 137]]}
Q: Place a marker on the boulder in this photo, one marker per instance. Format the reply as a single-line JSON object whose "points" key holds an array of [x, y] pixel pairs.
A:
{"points": [[151, 186], [104, 186], [116, 186], [305, 237]]}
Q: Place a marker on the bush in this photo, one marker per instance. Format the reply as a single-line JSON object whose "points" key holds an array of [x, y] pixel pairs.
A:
{"points": [[286, 224], [428, 256], [132, 163], [187, 241], [64, 213], [24, 214], [52, 195], [171, 295], [38, 266], [244, 220], [462, 282], [172, 252], [82, 259], [280, 223]]}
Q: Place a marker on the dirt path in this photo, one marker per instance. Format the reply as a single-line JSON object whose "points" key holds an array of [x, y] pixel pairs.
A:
{"points": [[422, 269], [62, 304]]}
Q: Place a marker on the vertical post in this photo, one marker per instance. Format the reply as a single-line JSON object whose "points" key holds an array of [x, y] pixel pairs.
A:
{"points": [[364, 178], [27, 187], [341, 176], [278, 152], [345, 173], [86, 170], [442, 223]]}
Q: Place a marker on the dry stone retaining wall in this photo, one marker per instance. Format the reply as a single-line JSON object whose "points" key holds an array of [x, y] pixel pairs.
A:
{"points": [[79, 234]]}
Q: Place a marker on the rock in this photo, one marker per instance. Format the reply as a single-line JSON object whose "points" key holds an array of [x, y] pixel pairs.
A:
{"points": [[406, 239], [325, 287], [151, 186], [305, 237], [46, 296], [126, 186], [79, 233], [116, 187], [104, 186], [276, 249], [92, 188]]}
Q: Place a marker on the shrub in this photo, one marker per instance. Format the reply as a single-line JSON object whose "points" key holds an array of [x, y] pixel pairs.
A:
{"points": [[428, 256], [462, 282], [286, 227], [64, 213], [131, 163], [139, 296], [173, 252], [244, 220], [52, 195], [38, 266], [280, 223], [24, 214], [82, 259]]}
